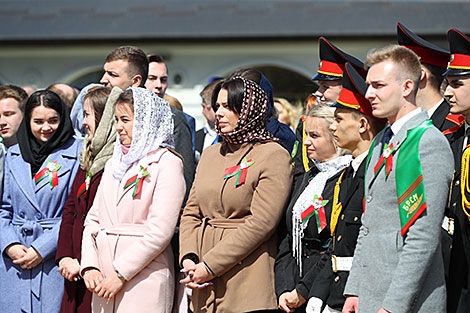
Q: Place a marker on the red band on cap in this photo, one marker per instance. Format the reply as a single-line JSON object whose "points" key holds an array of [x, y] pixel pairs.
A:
{"points": [[354, 101], [459, 61], [430, 57], [331, 68]]}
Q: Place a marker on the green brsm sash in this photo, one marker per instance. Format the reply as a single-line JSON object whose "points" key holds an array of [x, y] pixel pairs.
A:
{"points": [[409, 177]]}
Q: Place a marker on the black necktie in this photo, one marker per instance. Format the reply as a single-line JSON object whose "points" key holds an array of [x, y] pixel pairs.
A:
{"points": [[348, 177], [386, 137]]}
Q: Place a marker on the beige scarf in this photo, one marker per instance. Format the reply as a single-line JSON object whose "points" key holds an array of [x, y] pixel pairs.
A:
{"points": [[102, 143]]}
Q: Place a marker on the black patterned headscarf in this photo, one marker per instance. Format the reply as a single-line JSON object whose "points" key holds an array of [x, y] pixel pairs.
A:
{"points": [[251, 126]]}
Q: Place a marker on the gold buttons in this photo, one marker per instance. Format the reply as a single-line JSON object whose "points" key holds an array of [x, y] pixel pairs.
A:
{"points": [[336, 279], [339, 238], [356, 219], [342, 216]]}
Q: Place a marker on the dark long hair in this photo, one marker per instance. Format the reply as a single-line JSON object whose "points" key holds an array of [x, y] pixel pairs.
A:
{"points": [[32, 150], [235, 92]]}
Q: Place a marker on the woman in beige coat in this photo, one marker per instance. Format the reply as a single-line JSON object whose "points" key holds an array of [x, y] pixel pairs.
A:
{"points": [[126, 258], [227, 238]]}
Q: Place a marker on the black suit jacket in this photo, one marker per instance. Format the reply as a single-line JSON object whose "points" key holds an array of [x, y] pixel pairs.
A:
{"points": [[329, 286], [184, 146], [200, 135]]}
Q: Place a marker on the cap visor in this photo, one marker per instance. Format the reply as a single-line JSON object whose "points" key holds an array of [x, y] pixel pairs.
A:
{"points": [[338, 105], [320, 76], [456, 72]]}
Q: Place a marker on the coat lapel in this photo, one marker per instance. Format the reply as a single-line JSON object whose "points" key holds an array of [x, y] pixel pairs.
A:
{"points": [[354, 185], [376, 153], [66, 163], [134, 170], [305, 181], [21, 172], [123, 191]]}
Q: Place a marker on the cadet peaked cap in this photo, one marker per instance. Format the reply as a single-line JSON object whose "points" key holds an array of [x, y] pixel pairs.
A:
{"points": [[459, 63], [427, 52], [353, 93], [332, 61]]}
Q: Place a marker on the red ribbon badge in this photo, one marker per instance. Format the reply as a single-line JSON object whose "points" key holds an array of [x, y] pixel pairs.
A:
{"points": [[137, 181], [49, 171], [239, 170], [317, 209], [83, 190], [386, 158]]}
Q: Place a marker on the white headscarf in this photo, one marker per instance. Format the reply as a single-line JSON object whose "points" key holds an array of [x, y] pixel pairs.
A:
{"points": [[153, 128]]}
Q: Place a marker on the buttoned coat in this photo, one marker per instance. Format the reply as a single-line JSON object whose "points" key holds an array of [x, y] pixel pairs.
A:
{"points": [[403, 274], [131, 235], [329, 285], [456, 246], [77, 299], [232, 228], [30, 215]]}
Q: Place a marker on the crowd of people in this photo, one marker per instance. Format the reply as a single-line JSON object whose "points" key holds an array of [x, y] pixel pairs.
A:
{"points": [[112, 202]]}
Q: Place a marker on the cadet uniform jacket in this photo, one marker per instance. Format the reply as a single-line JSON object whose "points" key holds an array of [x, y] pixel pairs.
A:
{"points": [[329, 286], [456, 246]]}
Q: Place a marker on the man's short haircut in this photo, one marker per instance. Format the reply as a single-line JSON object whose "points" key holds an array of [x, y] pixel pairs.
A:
{"points": [[206, 93], [436, 78], [156, 58], [14, 92], [407, 61], [68, 97], [135, 57], [375, 124]]}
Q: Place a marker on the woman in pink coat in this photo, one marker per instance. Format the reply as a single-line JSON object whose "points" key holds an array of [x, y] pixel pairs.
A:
{"points": [[126, 258]]}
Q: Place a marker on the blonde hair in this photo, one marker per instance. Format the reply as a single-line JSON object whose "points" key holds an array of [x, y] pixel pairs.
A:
{"points": [[407, 61], [293, 113], [173, 102], [328, 113]]}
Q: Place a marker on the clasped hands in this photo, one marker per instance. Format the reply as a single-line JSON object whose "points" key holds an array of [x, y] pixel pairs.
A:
{"points": [[105, 288], [197, 275], [26, 258], [289, 301]]}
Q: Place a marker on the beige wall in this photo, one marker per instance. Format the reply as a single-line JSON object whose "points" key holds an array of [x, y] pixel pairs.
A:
{"points": [[42, 64]]}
